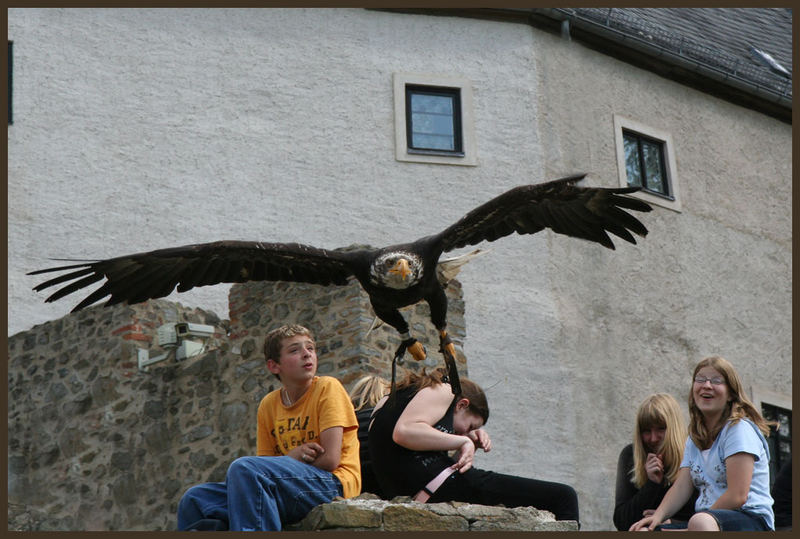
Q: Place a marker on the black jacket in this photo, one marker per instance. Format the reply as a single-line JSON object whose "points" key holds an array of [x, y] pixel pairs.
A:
{"points": [[630, 502]]}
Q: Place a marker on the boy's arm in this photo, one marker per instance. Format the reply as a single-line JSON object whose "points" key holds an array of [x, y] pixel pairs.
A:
{"points": [[331, 440], [336, 416]]}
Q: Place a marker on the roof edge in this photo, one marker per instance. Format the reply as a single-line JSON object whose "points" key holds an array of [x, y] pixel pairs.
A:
{"points": [[630, 49]]}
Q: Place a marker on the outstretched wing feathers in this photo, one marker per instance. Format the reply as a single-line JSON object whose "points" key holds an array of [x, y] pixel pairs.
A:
{"points": [[154, 274], [60, 279], [581, 212], [76, 285]]}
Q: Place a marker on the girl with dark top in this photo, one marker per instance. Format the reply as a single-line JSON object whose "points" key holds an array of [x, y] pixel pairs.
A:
{"points": [[411, 434], [648, 466]]}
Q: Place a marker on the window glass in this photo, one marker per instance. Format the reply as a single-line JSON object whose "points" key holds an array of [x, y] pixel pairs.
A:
{"points": [[653, 166], [632, 168], [433, 104], [433, 119], [644, 163]]}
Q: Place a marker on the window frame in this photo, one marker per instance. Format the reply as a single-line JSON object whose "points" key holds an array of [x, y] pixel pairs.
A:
{"points": [[640, 140], [452, 83], [458, 132], [623, 125]]}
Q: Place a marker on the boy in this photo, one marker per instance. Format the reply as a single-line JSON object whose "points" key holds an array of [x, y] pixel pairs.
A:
{"points": [[307, 448]]}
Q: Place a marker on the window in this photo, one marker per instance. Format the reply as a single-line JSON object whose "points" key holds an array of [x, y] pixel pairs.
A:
{"points": [[433, 119], [780, 438], [645, 158], [10, 86], [644, 163], [775, 406]]}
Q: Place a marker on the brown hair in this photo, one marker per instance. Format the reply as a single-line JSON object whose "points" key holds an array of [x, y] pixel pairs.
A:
{"points": [[659, 410], [469, 389], [274, 339], [737, 408]]}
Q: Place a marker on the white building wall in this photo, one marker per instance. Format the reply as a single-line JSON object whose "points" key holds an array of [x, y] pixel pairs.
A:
{"points": [[141, 129], [713, 279]]}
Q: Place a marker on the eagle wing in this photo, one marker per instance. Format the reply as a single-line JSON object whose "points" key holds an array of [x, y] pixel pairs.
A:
{"points": [[581, 212], [139, 277]]}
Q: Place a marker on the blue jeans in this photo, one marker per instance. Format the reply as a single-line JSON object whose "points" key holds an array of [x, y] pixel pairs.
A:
{"points": [[728, 520], [259, 493], [738, 520]]}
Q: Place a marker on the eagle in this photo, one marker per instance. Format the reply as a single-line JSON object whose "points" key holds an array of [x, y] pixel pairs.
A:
{"points": [[393, 277]]}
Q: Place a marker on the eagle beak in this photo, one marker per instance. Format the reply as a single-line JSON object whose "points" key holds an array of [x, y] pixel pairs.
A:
{"points": [[402, 268]]}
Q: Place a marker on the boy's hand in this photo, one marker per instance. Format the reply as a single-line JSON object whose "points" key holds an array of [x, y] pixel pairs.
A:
{"points": [[308, 452]]}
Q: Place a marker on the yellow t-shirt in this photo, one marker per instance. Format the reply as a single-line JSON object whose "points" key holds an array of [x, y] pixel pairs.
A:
{"points": [[326, 404]]}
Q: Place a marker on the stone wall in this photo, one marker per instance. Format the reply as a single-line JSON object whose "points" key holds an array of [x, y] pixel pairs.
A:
{"points": [[96, 444]]}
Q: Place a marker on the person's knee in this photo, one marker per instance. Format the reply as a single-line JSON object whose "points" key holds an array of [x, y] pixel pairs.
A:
{"points": [[188, 496], [188, 507], [241, 467], [568, 495], [702, 522]]}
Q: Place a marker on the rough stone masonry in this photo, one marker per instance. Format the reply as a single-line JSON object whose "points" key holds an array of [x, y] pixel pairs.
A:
{"points": [[96, 444]]}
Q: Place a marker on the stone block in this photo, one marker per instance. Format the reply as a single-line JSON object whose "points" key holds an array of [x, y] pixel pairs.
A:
{"points": [[412, 517], [339, 515]]}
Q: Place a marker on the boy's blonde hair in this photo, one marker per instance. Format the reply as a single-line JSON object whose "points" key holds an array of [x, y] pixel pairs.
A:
{"points": [[739, 406], [367, 391], [272, 343], [659, 410]]}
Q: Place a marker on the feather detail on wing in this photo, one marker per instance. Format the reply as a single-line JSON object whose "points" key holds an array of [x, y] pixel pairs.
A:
{"points": [[138, 277], [448, 268], [581, 212]]}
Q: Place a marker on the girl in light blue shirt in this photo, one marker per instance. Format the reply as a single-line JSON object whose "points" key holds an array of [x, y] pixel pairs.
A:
{"points": [[726, 458]]}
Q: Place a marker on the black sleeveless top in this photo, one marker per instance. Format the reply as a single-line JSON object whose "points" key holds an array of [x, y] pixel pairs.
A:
{"points": [[400, 471]]}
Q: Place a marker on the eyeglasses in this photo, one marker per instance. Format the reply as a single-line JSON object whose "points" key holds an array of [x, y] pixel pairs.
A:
{"points": [[716, 381]]}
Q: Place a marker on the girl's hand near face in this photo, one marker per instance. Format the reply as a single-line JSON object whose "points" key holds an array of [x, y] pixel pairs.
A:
{"points": [[654, 467], [481, 439]]}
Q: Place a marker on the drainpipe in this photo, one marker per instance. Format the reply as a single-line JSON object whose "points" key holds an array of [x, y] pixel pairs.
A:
{"points": [[565, 30]]}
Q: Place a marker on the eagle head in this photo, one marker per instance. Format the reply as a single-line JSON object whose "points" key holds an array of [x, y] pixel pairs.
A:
{"points": [[396, 269]]}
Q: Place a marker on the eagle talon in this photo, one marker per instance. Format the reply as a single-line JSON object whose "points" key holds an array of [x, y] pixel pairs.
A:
{"points": [[417, 351], [446, 345], [414, 347]]}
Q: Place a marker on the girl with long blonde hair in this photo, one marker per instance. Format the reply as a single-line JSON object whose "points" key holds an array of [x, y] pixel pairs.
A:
{"points": [[648, 466]]}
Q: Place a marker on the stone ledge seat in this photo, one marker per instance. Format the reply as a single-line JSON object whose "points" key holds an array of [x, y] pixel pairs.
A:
{"points": [[367, 512]]}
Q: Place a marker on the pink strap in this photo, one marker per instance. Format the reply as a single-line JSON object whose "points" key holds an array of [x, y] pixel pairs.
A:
{"points": [[427, 491]]}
